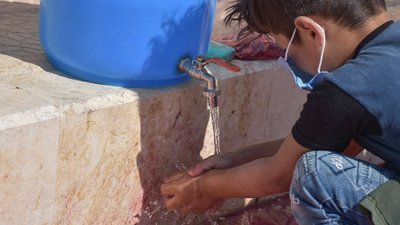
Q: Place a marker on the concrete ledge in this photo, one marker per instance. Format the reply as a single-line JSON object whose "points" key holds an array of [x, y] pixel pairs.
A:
{"points": [[106, 148]]}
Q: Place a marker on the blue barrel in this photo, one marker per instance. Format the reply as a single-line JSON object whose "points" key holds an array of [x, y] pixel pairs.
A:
{"points": [[129, 43]]}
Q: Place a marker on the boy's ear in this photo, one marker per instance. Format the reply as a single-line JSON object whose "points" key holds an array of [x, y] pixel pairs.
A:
{"points": [[309, 30]]}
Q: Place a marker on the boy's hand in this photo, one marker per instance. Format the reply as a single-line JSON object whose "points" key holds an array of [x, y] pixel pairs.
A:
{"points": [[213, 162], [185, 194], [236, 158]]}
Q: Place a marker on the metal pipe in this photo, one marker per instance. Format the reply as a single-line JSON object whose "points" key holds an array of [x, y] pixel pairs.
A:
{"points": [[198, 73], [197, 70]]}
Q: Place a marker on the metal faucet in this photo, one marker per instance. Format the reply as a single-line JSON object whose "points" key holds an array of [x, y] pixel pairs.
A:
{"points": [[198, 70]]}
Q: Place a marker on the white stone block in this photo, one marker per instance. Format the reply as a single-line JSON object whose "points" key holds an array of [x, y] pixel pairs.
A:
{"points": [[28, 165]]}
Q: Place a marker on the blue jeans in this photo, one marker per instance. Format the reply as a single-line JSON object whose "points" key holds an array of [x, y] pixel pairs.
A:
{"points": [[327, 188]]}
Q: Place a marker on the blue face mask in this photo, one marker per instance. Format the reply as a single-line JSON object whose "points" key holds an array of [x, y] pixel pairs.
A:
{"points": [[302, 79]]}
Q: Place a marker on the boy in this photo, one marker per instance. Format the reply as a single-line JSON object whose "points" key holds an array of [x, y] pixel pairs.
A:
{"points": [[354, 106]]}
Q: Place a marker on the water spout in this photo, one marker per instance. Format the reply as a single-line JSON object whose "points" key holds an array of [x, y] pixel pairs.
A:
{"points": [[197, 69]]}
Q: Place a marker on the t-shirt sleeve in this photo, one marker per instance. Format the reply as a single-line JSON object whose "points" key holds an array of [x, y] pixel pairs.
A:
{"points": [[331, 118]]}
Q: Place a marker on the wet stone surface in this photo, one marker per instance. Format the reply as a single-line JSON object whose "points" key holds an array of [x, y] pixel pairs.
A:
{"points": [[274, 212]]}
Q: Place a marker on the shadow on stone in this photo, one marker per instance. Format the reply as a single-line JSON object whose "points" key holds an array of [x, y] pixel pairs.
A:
{"points": [[172, 130]]}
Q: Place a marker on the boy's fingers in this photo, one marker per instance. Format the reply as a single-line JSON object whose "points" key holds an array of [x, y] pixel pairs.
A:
{"points": [[217, 206], [196, 171], [185, 209], [201, 167], [173, 203], [174, 177], [167, 190]]}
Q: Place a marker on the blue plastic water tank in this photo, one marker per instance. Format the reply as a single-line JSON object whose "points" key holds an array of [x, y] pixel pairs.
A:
{"points": [[130, 43]]}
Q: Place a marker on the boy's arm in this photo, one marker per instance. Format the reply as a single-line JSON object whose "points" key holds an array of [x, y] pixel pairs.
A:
{"points": [[236, 158], [258, 178], [261, 177]]}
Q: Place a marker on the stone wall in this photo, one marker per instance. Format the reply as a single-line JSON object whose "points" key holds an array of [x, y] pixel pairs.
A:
{"points": [[35, 2], [73, 152], [219, 27]]}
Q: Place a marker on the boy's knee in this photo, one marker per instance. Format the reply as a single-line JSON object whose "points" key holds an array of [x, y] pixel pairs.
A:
{"points": [[310, 167], [309, 181], [312, 163]]}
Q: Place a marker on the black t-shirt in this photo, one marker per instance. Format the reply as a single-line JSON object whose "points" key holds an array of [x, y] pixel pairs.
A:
{"points": [[331, 118]]}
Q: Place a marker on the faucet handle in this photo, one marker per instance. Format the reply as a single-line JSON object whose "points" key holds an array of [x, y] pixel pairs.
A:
{"points": [[225, 64]]}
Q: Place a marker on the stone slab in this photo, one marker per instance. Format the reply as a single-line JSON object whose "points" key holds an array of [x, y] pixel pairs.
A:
{"points": [[28, 166], [116, 145]]}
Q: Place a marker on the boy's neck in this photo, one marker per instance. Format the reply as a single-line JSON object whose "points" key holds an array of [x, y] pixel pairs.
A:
{"points": [[343, 42]]}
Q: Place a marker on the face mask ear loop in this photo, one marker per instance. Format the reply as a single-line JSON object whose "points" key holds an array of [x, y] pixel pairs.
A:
{"points": [[290, 43], [323, 49]]}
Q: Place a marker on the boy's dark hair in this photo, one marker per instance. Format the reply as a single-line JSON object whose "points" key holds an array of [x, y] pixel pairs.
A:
{"points": [[264, 16]]}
